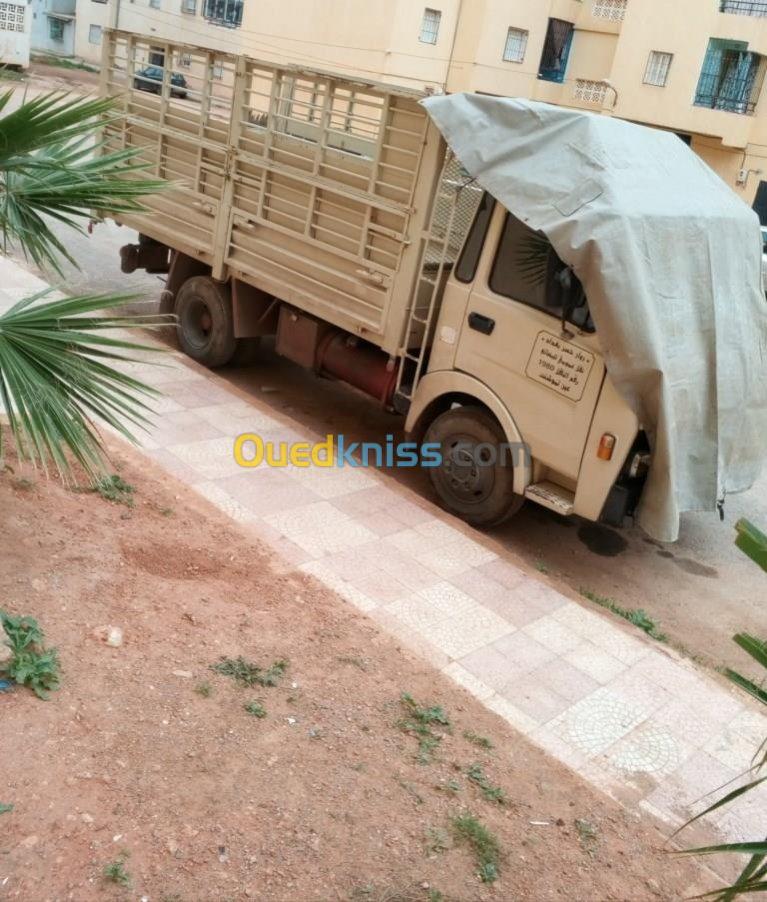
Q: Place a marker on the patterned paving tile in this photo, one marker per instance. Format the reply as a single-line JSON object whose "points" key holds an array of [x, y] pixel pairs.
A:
{"points": [[332, 483], [648, 750], [489, 666], [522, 653], [534, 698], [451, 620], [213, 458], [733, 749], [265, 491], [598, 721], [595, 662], [459, 674], [224, 502], [522, 722], [553, 634], [504, 572], [319, 528], [600, 632]]}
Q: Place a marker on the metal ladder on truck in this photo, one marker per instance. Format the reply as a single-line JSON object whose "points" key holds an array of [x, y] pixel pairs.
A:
{"points": [[455, 206]]}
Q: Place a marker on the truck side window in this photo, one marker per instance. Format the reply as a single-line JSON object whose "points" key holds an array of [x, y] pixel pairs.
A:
{"points": [[529, 270], [475, 240]]}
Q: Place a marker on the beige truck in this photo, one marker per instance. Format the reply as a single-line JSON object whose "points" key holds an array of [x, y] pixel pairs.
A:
{"points": [[329, 212]]}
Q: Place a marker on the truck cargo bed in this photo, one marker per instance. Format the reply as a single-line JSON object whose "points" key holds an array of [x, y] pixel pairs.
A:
{"points": [[312, 187]]}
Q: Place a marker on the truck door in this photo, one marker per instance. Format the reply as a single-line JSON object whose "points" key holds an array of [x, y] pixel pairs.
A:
{"points": [[512, 340]]}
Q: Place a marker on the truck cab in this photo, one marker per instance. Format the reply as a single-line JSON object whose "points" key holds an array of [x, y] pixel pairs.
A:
{"points": [[515, 361]]}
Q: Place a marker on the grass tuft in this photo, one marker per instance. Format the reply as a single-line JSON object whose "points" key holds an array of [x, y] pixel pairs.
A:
{"points": [[115, 871], [480, 741], [637, 617], [588, 835], [204, 689], [115, 489], [248, 674], [483, 843], [419, 722], [490, 792], [256, 709]]}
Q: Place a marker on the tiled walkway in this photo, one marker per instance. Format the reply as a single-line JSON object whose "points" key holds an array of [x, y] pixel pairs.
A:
{"points": [[627, 714]]}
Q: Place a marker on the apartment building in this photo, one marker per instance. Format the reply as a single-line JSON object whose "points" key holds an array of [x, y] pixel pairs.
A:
{"points": [[695, 67]]}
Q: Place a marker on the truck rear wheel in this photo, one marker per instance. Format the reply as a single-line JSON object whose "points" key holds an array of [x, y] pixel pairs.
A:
{"points": [[204, 321], [475, 480]]}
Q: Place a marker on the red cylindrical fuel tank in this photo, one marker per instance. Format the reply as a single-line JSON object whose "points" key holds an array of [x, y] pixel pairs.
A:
{"points": [[365, 367]]}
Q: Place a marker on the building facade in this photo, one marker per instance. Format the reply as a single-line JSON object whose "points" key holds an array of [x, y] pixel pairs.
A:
{"points": [[695, 67], [53, 26]]}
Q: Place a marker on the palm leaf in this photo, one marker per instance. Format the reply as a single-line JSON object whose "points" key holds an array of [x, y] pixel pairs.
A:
{"points": [[52, 167], [730, 797], [532, 257], [56, 378]]}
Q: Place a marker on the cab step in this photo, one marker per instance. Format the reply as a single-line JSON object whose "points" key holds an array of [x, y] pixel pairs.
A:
{"points": [[554, 497]]}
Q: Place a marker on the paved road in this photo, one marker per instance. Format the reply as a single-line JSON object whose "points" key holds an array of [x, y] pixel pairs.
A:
{"points": [[701, 590]]}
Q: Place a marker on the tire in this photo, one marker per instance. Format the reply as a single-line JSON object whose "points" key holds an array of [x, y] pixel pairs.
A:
{"points": [[205, 328], [483, 496]]}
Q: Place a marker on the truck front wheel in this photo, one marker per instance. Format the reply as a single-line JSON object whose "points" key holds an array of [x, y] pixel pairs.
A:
{"points": [[204, 321], [475, 480]]}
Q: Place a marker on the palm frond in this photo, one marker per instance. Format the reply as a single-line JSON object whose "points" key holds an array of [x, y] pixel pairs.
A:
{"points": [[56, 378], [52, 118], [52, 167], [532, 257]]}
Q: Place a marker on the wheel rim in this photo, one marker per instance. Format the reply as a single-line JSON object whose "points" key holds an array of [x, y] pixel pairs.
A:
{"points": [[461, 477], [197, 323]]}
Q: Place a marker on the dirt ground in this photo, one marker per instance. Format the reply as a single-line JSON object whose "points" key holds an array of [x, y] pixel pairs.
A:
{"points": [[323, 798]]}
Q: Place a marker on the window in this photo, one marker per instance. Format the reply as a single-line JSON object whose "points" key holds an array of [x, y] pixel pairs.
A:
{"points": [[556, 50], [185, 60], [744, 7], [223, 12], [154, 4], [156, 56], [658, 65], [468, 262], [189, 6], [590, 91], [218, 70], [516, 45], [731, 79], [55, 29], [98, 1], [94, 34], [614, 10], [430, 26], [527, 269]]}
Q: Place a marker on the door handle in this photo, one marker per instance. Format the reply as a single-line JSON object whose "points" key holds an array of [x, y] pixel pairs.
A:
{"points": [[481, 323]]}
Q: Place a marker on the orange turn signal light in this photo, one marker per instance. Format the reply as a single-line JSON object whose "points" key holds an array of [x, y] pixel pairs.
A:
{"points": [[606, 446]]}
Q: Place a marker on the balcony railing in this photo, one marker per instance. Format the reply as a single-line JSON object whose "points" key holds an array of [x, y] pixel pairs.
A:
{"points": [[737, 96], [744, 7]]}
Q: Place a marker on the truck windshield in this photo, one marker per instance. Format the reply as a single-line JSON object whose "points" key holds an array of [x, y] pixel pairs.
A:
{"points": [[529, 270]]}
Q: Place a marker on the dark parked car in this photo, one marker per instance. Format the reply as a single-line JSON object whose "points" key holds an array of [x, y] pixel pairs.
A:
{"points": [[150, 79]]}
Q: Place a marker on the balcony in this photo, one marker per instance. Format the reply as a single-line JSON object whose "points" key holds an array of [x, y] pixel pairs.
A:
{"points": [[756, 8], [731, 79], [738, 97]]}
